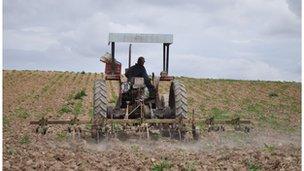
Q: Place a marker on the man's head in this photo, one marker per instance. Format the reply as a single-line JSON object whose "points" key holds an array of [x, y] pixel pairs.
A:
{"points": [[141, 61]]}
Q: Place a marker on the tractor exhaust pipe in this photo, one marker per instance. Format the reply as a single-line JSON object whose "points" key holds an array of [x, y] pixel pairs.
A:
{"points": [[130, 46]]}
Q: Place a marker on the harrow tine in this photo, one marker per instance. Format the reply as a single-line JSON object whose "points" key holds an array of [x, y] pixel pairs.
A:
{"points": [[147, 129], [170, 134], [97, 136], [105, 129], [79, 133]]}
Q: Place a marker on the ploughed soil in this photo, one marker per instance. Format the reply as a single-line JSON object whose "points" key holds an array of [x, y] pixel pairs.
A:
{"points": [[273, 143]]}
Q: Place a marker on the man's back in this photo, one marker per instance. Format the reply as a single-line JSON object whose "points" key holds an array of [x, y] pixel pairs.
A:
{"points": [[137, 71]]}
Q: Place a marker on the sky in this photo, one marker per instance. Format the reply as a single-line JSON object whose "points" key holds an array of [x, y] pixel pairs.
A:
{"points": [[226, 39]]}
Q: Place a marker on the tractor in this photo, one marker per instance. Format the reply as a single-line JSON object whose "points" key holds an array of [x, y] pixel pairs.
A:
{"points": [[134, 106], [136, 112]]}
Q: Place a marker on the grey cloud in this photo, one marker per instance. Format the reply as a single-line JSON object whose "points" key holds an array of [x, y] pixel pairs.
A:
{"points": [[265, 34], [295, 6], [239, 68], [33, 60]]}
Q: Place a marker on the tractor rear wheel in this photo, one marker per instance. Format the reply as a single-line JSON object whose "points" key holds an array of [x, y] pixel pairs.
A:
{"points": [[100, 104], [178, 100], [179, 108]]}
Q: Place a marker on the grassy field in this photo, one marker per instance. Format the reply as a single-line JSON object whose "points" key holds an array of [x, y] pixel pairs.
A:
{"points": [[29, 95], [272, 104], [38, 93]]}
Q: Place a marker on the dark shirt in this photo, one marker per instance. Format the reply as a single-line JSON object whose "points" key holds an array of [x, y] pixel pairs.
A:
{"points": [[137, 71]]}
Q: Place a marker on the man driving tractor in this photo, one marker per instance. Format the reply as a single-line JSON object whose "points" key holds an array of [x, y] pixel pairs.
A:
{"points": [[138, 70]]}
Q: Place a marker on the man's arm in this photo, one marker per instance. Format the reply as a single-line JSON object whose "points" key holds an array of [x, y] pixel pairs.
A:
{"points": [[144, 74], [129, 72], [146, 77]]}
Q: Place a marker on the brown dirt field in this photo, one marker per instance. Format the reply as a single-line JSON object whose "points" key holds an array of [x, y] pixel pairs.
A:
{"points": [[273, 144]]}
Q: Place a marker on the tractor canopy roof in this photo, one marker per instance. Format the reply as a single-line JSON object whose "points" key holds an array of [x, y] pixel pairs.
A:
{"points": [[140, 38]]}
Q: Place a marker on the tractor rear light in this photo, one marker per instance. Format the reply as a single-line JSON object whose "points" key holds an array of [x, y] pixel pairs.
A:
{"points": [[117, 68]]}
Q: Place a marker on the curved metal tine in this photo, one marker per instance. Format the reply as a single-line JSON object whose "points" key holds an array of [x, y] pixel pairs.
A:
{"points": [[140, 132], [170, 134], [107, 134], [247, 129], [79, 133], [179, 134], [147, 129], [97, 136]]}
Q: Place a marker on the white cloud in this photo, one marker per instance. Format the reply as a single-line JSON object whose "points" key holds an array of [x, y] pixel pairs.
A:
{"points": [[36, 38], [232, 68], [240, 39]]}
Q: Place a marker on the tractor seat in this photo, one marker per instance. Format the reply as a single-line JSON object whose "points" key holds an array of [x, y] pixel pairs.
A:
{"points": [[138, 82]]}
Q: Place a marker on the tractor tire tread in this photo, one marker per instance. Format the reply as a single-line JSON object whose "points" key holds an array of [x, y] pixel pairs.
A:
{"points": [[180, 99], [100, 101]]}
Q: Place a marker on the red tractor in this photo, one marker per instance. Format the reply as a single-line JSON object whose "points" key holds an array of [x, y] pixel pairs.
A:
{"points": [[133, 106], [135, 111]]}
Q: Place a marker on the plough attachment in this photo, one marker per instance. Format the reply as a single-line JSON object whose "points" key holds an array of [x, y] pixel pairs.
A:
{"points": [[43, 124], [107, 128], [179, 129], [237, 123]]}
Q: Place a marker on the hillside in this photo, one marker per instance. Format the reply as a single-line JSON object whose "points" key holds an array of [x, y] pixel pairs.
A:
{"points": [[29, 95]]}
